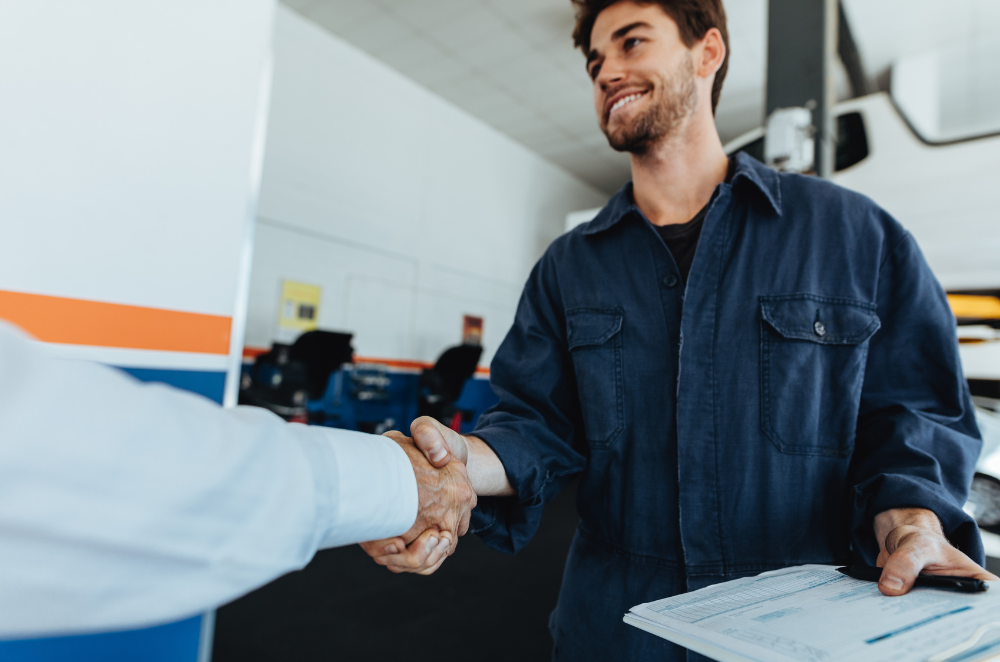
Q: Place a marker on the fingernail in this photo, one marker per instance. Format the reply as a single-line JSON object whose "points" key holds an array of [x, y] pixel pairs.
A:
{"points": [[892, 583], [433, 541], [438, 453], [391, 549], [445, 543]]}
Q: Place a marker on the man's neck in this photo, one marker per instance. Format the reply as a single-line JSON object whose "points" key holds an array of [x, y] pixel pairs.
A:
{"points": [[675, 178]]}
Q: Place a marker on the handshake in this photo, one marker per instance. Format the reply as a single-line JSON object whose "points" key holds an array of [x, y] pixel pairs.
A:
{"points": [[439, 456]]}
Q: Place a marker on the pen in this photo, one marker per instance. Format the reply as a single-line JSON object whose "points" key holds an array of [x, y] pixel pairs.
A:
{"points": [[870, 573]]}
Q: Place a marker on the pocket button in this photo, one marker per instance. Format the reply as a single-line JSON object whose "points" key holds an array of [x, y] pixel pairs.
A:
{"points": [[670, 280], [819, 328]]}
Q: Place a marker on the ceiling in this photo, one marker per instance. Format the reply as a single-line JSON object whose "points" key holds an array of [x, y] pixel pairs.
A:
{"points": [[512, 64]]}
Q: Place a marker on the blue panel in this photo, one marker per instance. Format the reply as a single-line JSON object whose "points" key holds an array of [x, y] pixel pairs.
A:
{"points": [[176, 642], [209, 384]]}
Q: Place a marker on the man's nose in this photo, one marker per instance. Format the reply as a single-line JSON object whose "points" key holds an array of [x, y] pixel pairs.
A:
{"points": [[610, 74]]}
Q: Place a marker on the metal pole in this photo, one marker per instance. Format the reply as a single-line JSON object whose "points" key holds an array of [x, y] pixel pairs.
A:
{"points": [[801, 51]]}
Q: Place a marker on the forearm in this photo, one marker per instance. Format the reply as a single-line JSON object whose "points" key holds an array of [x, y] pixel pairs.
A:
{"points": [[486, 471]]}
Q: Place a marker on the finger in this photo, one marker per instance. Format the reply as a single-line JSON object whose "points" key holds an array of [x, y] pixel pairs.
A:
{"points": [[378, 548], [431, 562], [415, 557], [900, 570], [432, 570], [440, 555], [954, 562], [430, 439]]}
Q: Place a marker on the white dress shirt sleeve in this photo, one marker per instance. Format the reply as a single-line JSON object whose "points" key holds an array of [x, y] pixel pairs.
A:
{"points": [[125, 504]]}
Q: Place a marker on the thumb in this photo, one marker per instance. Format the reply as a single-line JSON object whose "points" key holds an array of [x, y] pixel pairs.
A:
{"points": [[900, 570], [429, 437]]}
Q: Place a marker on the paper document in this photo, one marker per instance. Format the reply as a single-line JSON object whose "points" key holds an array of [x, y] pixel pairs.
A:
{"points": [[815, 614]]}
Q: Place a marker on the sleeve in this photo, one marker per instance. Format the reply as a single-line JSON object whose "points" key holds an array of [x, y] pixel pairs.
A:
{"points": [[125, 504], [917, 440], [533, 427]]}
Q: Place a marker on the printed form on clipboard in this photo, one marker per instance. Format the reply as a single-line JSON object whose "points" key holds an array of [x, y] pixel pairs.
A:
{"points": [[815, 614]]}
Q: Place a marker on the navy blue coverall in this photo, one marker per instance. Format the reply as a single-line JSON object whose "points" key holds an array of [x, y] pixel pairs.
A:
{"points": [[805, 379]]}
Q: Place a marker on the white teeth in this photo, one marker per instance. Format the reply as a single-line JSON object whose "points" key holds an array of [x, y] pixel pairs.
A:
{"points": [[624, 100]]}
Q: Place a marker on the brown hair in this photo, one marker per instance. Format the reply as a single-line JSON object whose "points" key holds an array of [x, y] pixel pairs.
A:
{"points": [[694, 18]]}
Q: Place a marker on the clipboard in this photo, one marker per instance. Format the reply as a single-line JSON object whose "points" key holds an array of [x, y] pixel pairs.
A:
{"points": [[966, 648], [815, 614]]}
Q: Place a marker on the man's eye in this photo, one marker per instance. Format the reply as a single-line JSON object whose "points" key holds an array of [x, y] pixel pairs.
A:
{"points": [[631, 43], [594, 70]]}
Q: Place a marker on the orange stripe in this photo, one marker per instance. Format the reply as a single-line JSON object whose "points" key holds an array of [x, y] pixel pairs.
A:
{"points": [[80, 322], [254, 352]]}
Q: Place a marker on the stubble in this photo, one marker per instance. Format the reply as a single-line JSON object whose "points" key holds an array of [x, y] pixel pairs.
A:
{"points": [[677, 100]]}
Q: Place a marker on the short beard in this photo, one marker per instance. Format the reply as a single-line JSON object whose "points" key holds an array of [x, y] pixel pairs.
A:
{"points": [[661, 120]]}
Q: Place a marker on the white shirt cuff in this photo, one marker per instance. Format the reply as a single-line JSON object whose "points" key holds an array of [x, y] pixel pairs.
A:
{"points": [[366, 488]]}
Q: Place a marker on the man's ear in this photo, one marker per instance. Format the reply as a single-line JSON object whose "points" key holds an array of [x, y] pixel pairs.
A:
{"points": [[713, 53]]}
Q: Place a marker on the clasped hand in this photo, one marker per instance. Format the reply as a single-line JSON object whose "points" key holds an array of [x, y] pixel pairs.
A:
{"points": [[446, 500]]}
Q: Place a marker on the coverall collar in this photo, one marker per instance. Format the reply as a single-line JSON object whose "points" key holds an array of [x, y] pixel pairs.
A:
{"points": [[763, 179]]}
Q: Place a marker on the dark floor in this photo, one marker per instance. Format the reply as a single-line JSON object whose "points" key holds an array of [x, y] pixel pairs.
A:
{"points": [[480, 604]]}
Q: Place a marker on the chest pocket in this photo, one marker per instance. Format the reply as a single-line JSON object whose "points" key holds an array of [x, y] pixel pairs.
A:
{"points": [[812, 364], [595, 342]]}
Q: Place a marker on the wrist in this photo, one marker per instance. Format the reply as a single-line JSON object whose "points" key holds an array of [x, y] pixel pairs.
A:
{"points": [[486, 471]]}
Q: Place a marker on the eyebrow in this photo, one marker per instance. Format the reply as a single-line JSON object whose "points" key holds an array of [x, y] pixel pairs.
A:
{"points": [[616, 35]]}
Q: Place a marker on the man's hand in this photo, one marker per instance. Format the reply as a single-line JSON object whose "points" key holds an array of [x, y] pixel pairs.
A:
{"points": [[446, 501], [442, 445], [911, 541], [423, 556]]}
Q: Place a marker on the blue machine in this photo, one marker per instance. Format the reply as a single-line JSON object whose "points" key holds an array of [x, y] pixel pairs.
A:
{"points": [[316, 381], [369, 398]]}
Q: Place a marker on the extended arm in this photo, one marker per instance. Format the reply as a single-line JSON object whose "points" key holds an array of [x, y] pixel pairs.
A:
{"points": [[133, 504]]}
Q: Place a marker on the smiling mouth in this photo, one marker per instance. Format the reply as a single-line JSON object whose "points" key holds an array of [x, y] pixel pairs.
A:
{"points": [[624, 101]]}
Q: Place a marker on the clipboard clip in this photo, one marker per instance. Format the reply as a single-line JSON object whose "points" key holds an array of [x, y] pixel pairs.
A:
{"points": [[967, 645]]}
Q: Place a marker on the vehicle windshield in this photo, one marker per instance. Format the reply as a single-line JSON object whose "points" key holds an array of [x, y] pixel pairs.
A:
{"points": [[952, 93]]}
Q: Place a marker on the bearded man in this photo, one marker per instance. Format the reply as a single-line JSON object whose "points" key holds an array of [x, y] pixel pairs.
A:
{"points": [[751, 370]]}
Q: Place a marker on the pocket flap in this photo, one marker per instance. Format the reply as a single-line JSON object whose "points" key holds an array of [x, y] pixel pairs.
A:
{"points": [[592, 326], [825, 320]]}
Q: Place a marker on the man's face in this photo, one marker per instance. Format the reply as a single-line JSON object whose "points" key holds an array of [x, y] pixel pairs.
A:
{"points": [[644, 75]]}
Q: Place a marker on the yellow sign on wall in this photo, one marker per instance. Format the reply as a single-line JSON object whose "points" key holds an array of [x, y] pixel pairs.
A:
{"points": [[299, 308]]}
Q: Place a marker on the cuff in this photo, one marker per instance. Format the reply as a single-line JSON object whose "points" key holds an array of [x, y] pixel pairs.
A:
{"points": [[365, 487]]}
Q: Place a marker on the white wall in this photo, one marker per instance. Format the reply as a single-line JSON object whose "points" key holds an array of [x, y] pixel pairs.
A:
{"points": [[127, 155], [407, 211], [126, 147]]}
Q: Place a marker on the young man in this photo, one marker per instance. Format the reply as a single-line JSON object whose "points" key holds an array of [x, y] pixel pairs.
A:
{"points": [[750, 370]]}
